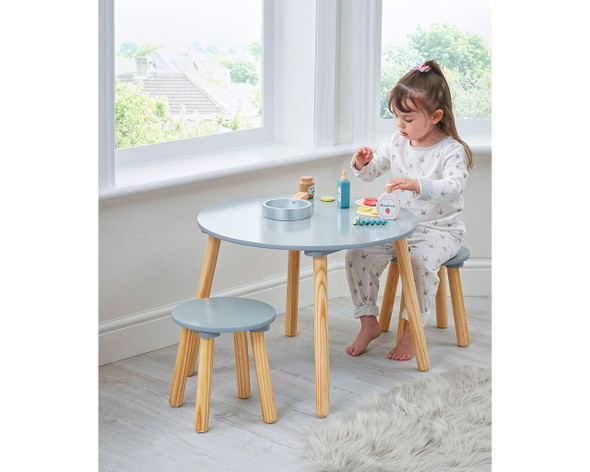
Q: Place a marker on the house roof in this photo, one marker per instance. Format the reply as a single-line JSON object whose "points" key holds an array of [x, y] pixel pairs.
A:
{"points": [[180, 90]]}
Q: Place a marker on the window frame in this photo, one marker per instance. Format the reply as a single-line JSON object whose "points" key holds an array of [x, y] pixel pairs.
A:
{"points": [[111, 158]]}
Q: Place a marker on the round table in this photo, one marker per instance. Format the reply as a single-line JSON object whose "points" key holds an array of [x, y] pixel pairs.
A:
{"points": [[328, 230]]}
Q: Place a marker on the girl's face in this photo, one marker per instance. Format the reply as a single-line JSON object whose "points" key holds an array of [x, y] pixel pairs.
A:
{"points": [[418, 126]]}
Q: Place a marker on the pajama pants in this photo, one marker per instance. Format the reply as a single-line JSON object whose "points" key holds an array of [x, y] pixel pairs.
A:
{"points": [[428, 249]]}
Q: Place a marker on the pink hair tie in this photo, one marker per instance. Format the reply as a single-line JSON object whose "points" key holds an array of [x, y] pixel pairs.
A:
{"points": [[422, 68]]}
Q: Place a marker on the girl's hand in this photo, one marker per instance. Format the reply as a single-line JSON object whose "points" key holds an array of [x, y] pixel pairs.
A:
{"points": [[363, 156], [401, 183]]}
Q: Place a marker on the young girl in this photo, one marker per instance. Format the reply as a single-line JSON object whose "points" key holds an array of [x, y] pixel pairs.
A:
{"points": [[428, 162]]}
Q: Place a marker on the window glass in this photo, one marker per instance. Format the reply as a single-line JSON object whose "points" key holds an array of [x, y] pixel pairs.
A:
{"points": [[186, 68], [454, 33]]}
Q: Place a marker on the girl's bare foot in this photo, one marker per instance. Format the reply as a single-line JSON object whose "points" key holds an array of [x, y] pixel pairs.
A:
{"points": [[370, 329], [404, 350]]}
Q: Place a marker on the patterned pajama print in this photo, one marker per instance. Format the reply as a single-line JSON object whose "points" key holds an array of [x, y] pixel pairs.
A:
{"points": [[442, 172]]}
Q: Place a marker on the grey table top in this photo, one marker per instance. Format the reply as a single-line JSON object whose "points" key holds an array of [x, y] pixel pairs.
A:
{"points": [[328, 230]]}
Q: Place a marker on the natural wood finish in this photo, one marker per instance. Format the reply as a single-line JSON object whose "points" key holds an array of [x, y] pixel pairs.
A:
{"points": [[137, 432], [180, 368], [402, 323], [458, 307], [204, 289], [242, 367], [411, 301], [189, 342], [204, 384], [441, 299], [267, 398], [292, 293], [389, 296], [322, 373]]}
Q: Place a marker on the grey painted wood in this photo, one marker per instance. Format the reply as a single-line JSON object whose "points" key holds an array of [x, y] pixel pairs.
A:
{"points": [[223, 315], [329, 229], [140, 432]]}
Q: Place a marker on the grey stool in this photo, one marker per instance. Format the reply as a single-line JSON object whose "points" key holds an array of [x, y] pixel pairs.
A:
{"points": [[208, 317], [452, 269]]}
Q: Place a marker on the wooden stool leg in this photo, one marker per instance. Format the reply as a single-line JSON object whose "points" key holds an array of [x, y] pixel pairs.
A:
{"points": [[389, 296], [411, 301], [242, 367], [402, 323], [458, 307], [187, 339], [322, 363], [204, 290], [292, 293], [204, 384], [442, 320], [267, 398]]}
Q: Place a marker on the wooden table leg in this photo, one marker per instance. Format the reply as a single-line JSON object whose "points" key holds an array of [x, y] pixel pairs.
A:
{"points": [[292, 293], [189, 340], [411, 302], [322, 360]]}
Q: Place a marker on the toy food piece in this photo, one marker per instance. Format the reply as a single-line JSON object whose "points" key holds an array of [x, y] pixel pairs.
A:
{"points": [[367, 201], [369, 221], [301, 196], [327, 198], [367, 211]]}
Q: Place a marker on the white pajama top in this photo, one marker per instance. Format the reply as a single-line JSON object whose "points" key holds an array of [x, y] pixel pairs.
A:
{"points": [[442, 172]]}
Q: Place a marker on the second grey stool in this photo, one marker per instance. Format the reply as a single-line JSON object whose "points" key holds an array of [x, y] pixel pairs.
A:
{"points": [[208, 317], [452, 268]]}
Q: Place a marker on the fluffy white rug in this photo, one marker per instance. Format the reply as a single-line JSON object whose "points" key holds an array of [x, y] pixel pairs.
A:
{"points": [[438, 423]]}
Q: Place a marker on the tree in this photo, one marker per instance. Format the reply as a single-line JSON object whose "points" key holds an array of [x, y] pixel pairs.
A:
{"points": [[464, 57], [128, 49], [242, 70], [452, 48]]}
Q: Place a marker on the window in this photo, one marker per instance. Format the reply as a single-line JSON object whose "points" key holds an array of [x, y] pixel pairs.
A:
{"points": [[457, 34], [180, 78], [186, 69]]}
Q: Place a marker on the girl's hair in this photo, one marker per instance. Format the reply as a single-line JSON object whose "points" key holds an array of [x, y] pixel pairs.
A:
{"points": [[427, 88]]}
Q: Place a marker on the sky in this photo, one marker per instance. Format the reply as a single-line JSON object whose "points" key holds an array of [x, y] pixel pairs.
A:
{"points": [[239, 21], [236, 21], [402, 16]]}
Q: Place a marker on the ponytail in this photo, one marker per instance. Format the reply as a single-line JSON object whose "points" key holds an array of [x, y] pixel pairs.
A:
{"points": [[427, 87]]}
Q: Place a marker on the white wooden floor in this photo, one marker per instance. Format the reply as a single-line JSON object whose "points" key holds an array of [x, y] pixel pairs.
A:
{"points": [[139, 431]]}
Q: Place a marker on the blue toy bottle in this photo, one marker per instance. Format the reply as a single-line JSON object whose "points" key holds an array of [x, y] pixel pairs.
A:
{"points": [[343, 191]]}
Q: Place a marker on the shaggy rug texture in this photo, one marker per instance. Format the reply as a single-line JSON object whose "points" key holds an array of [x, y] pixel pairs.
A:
{"points": [[439, 423]]}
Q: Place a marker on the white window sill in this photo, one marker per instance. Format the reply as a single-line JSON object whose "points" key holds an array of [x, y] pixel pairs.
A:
{"points": [[146, 177], [161, 174]]}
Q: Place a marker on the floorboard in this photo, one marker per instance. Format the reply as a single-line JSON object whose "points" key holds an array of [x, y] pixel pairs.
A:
{"points": [[139, 431]]}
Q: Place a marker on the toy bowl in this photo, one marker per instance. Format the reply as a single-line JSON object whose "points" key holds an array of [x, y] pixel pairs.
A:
{"points": [[286, 209]]}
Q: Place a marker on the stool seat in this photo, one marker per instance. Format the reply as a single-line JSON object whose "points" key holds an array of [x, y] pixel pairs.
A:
{"points": [[205, 319], [455, 261], [459, 259], [239, 314]]}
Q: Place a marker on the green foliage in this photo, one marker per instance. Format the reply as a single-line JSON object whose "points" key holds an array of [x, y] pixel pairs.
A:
{"points": [[255, 49], [146, 49], [141, 119], [243, 71], [128, 49], [464, 57], [452, 48]]}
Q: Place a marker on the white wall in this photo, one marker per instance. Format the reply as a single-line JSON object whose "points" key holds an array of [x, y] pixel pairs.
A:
{"points": [[151, 252]]}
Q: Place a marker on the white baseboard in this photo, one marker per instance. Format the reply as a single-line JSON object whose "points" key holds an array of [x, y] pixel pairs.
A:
{"points": [[138, 333]]}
